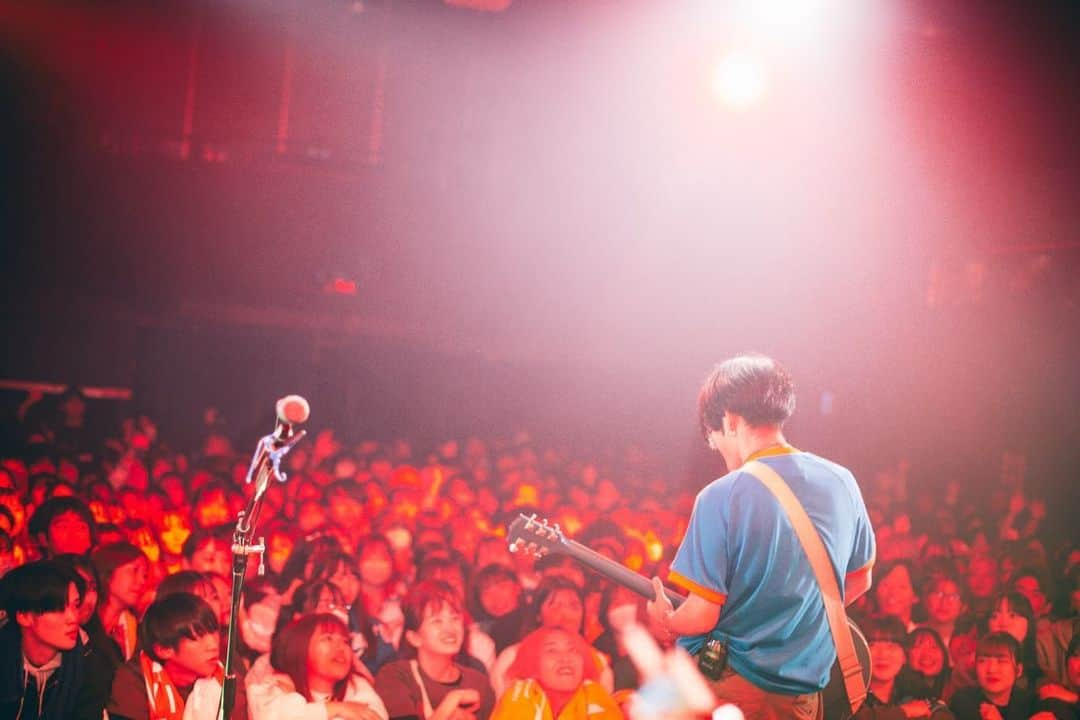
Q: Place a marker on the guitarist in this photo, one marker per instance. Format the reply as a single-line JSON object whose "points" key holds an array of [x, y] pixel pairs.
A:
{"points": [[751, 590]]}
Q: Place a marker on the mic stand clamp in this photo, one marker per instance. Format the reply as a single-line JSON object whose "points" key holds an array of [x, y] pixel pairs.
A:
{"points": [[259, 548]]}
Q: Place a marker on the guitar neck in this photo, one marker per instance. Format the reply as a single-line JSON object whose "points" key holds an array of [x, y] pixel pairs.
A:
{"points": [[615, 572]]}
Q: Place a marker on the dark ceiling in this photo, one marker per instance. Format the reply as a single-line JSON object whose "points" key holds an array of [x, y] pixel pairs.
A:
{"points": [[552, 186]]}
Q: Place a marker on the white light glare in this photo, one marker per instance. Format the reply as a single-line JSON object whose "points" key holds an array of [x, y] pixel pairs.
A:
{"points": [[783, 13], [739, 81]]}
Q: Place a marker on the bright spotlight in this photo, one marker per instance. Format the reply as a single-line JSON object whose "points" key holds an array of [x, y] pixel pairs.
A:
{"points": [[739, 81]]}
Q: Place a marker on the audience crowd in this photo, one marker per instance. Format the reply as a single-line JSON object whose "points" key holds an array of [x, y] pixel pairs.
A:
{"points": [[388, 591]]}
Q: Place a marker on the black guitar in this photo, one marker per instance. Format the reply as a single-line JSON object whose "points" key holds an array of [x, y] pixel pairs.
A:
{"points": [[537, 536]]}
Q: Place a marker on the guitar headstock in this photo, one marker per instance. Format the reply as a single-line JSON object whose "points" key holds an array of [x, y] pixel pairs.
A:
{"points": [[528, 534]]}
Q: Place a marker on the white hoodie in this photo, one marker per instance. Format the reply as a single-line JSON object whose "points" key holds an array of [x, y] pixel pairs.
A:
{"points": [[273, 697]]}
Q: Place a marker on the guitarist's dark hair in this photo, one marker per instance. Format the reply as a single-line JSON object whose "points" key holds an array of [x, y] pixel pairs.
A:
{"points": [[753, 386]]}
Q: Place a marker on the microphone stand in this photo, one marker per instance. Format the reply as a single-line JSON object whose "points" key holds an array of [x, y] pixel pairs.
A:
{"points": [[265, 463]]}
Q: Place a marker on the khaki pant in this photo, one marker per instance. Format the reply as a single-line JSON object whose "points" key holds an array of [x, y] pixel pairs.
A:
{"points": [[757, 704]]}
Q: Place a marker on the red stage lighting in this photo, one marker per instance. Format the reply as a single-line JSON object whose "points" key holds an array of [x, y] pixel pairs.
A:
{"points": [[341, 286]]}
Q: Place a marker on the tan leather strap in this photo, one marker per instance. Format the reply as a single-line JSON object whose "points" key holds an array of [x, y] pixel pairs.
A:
{"points": [[826, 577]]}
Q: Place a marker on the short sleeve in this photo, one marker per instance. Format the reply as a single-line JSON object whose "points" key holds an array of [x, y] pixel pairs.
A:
{"points": [[864, 546], [700, 564]]}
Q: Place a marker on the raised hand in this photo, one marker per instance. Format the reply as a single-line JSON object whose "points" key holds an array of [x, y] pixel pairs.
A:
{"points": [[460, 704]]}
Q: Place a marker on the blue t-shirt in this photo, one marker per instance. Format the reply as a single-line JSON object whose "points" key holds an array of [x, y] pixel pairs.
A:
{"points": [[741, 550]]}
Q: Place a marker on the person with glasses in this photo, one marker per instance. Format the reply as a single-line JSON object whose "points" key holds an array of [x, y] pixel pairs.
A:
{"points": [[944, 603]]}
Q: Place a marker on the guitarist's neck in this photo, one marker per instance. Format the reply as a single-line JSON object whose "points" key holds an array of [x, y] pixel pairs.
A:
{"points": [[753, 441]]}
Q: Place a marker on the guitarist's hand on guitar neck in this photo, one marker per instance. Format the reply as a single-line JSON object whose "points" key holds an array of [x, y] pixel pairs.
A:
{"points": [[660, 611], [695, 616]]}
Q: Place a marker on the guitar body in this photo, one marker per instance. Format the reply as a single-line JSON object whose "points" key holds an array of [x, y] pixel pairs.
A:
{"points": [[530, 534], [834, 699]]}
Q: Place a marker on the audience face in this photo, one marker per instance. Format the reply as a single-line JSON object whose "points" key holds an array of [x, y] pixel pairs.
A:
{"points": [[346, 510], [68, 533], [895, 594], [500, 597], [441, 632], [199, 657], [129, 583], [1030, 587], [562, 609], [347, 582], [982, 576], [311, 517], [332, 601], [212, 557], [376, 566], [997, 673], [258, 622], [887, 659], [88, 604], [944, 604], [175, 530], [329, 657], [926, 657], [279, 547], [1004, 618], [58, 630], [213, 509], [562, 668], [962, 652], [143, 538]]}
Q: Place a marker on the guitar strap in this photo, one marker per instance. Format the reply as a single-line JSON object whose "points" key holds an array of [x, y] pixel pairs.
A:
{"points": [[826, 577]]}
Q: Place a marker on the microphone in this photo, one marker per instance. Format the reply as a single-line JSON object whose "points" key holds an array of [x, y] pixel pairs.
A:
{"points": [[291, 410]]}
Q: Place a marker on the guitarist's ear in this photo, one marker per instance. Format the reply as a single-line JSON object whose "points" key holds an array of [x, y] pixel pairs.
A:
{"points": [[413, 638], [730, 423]]}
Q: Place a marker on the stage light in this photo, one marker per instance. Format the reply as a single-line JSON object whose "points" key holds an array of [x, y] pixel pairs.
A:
{"points": [[341, 286], [739, 81]]}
